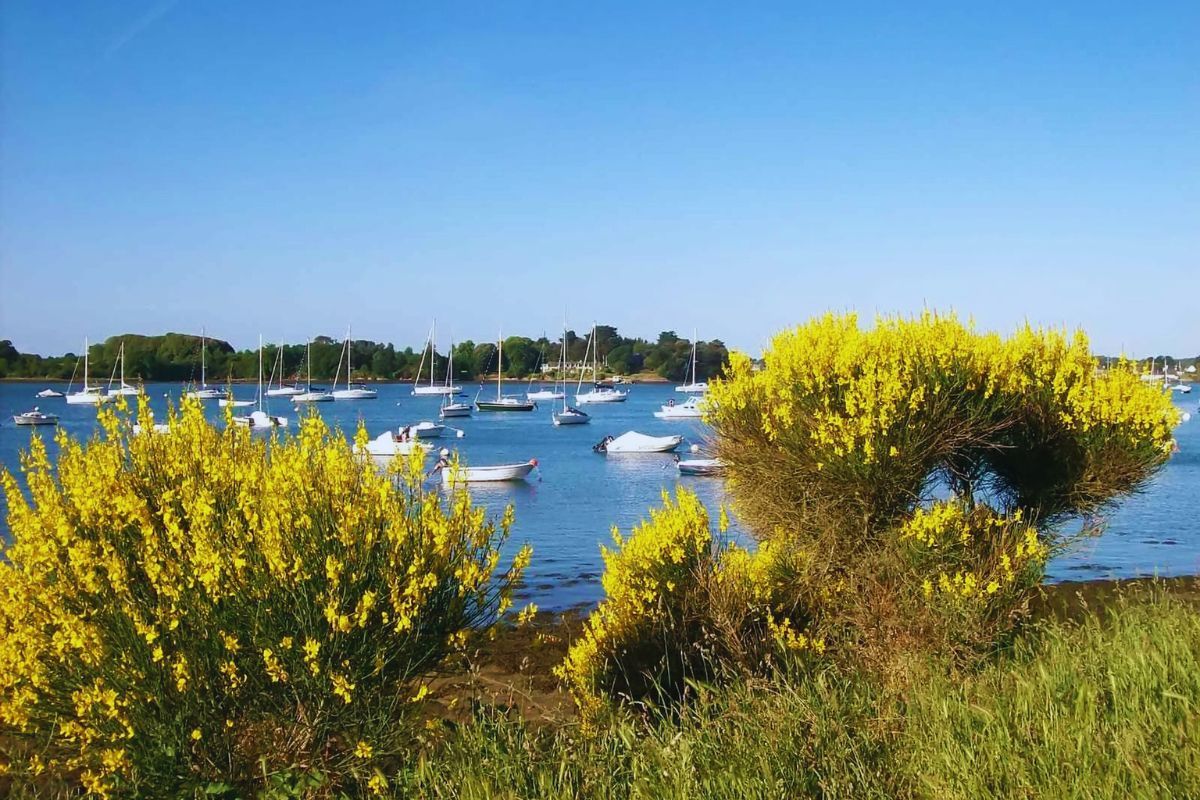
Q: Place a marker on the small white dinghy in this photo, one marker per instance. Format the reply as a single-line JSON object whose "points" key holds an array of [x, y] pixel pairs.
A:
{"points": [[701, 466], [35, 417], [634, 442], [51, 393], [390, 443], [426, 430], [452, 476]]}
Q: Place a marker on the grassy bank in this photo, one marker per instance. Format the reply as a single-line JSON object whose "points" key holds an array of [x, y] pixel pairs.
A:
{"points": [[1102, 701]]}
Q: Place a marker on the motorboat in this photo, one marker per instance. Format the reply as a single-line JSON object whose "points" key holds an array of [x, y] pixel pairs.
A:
{"points": [[44, 393], [35, 417], [546, 394], [356, 391], [688, 409], [453, 475], [700, 466], [390, 443], [570, 416], [634, 442]]}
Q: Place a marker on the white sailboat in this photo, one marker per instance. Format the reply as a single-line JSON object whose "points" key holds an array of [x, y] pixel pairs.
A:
{"points": [[124, 388], [693, 386], [598, 394], [450, 408], [307, 394], [567, 415], [204, 392], [542, 392], [503, 402], [88, 395], [260, 419], [281, 390], [432, 388], [356, 391]]}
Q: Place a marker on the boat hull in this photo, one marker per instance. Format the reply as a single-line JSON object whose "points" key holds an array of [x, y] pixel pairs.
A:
{"points": [[591, 398], [456, 410], [385, 445], [435, 391], [355, 394], [313, 397], [497, 474], [701, 466], [569, 418], [260, 421], [286, 391], [51, 393], [88, 399], [484, 405], [634, 442], [545, 395], [35, 419]]}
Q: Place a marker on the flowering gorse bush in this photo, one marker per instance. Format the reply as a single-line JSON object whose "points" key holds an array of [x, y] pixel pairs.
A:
{"points": [[203, 605], [836, 449], [679, 604]]}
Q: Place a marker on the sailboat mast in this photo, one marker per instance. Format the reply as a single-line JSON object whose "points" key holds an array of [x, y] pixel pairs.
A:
{"points": [[85, 363], [499, 361], [203, 380], [694, 343], [348, 367], [260, 391]]}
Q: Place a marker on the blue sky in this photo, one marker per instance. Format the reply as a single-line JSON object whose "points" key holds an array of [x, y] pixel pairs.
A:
{"points": [[288, 168]]}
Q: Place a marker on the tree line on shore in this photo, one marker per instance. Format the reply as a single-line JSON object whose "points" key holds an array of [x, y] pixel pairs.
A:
{"points": [[176, 357]]}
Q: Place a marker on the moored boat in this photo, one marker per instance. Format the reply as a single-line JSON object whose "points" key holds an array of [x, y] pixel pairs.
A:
{"points": [[353, 391], [452, 475], [35, 417], [88, 395], [390, 443], [503, 402], [634, 442], [700, 466], [44, 393], [688, 409]]}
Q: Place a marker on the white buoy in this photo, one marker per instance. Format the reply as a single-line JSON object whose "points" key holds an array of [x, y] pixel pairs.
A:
{"points": [[695, 448], [1186, 416]]}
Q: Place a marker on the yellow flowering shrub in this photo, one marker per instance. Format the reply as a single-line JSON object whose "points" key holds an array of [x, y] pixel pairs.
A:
{"points": [[836, 448], [679, 604], [206, 604]]}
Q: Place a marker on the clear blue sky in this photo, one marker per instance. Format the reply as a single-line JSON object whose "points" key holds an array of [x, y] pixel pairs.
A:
{"points": [[287, 168]]}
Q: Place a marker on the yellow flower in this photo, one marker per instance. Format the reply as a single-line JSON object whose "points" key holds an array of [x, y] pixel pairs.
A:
{"points": [[196, 734], [363, 750]]}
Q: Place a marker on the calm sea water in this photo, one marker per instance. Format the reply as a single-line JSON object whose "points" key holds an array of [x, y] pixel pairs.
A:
{"points": [[568, 509]]}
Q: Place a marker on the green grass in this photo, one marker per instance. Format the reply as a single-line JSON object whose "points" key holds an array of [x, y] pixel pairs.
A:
{"points": [[1103, 708]]}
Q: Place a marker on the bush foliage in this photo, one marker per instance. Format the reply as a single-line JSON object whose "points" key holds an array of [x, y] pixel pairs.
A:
{"points": [[193, 607], [905, 483]]}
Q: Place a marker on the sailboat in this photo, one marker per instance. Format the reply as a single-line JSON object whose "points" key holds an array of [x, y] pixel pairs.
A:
{"points": [[432, 388], [260, 419], [88, 395], [281, 390], [205, 392], [503, 402], [307, 395], [543, 393], [450, 408], [693, 386], [567, 415], [124, 388], [356, 391], [598, 394]]}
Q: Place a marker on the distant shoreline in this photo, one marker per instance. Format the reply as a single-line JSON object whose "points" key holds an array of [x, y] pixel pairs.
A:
{"points": [[637, 379]]}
